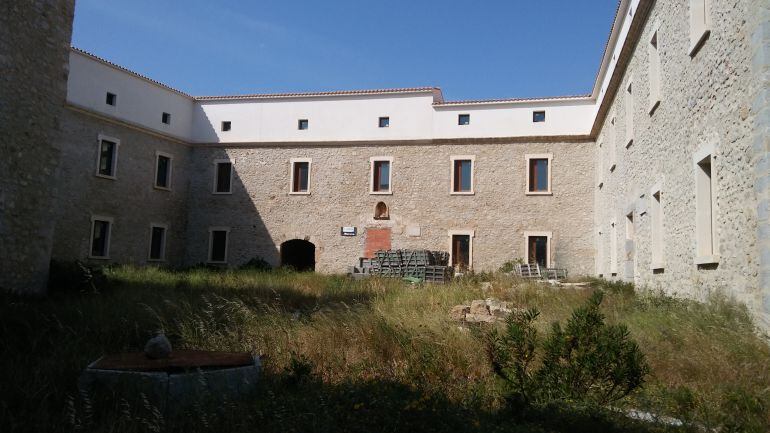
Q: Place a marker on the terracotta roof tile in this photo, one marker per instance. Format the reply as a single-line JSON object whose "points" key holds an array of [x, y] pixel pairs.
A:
{"points": [[435, 90]]}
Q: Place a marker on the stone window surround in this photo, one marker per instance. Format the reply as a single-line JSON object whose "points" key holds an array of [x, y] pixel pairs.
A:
{"points": [[232, 170], [452, 159], [613, 135], [600, 159], [100, 139], [629, 105], [292, 162], [654, 79], [527, 158], [471, 233], [660, 264], [372, 160], [703, 152], [163, 243], [700, 26], [211, 243], [170, 157], [548, 235], [110, 221]]}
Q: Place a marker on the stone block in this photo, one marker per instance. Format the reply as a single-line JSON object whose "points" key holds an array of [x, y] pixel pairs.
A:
{"points": [[458, 312], [479, 307]]}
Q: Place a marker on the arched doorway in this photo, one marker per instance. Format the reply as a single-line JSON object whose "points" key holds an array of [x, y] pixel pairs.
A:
{"points": [[299, 254]]}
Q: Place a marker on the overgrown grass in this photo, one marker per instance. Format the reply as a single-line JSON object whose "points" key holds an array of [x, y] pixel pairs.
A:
{"points": [[371, 355]]}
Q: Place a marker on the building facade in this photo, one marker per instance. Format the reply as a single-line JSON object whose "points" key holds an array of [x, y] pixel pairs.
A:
{"points": [[658, 176]]}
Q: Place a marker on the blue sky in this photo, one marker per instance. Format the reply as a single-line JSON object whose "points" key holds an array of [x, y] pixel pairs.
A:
{"points": [[471, 49]]}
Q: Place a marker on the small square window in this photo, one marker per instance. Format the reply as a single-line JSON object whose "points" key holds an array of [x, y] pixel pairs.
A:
{"points": [[302, 124], [226, 125], [166, 118], [384, 122], [538, 116], [464, 119], [112, 99]]}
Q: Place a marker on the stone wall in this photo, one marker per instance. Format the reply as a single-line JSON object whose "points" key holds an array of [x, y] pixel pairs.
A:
{"points": [[760, 16], [34, 54], [131, 199], [262, 215], [706, 101]]}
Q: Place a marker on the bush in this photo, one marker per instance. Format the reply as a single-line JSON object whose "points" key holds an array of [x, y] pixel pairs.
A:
{"points": [[587, 361], [510, 265], [256, 264]]}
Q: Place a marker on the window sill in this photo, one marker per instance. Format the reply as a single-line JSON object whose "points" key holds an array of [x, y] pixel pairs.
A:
{"points": [[538, 193], [698, 43], [156, 260], [657, 266], [462, 193], [162, 188], [299, 192], [104, 176], [707, 260], [381, 192], [216, 263], [222, 193], [99, 257]]}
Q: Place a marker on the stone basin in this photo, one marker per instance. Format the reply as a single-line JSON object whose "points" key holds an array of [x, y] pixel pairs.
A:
{"points": [[173, 383]]}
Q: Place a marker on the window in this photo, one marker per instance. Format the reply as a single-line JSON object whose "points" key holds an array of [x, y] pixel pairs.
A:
{"points": [[612, 143], [538, 174], [537, 248], [464, 119], [462, 174], [218, 240], [381, 211], [630, 230], [157, 242], [656, 213], [599, 252], [705, 209], [600, 162], [101, 231], [654, 65], [223, 176], [629, 103], [300, 176], [700, 24], [112, 99], [162, 170], [384, 122], [461, 249], [613, 249], [302, 124], [380, 175], [108, 157], [226, 125], [538, 116], [166, 118]]}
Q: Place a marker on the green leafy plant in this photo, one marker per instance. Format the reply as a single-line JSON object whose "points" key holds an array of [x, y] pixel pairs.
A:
{"points": [[585, 361]]}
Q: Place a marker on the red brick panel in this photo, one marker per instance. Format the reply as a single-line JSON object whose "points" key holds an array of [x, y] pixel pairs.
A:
{"points": [[376, 239]]}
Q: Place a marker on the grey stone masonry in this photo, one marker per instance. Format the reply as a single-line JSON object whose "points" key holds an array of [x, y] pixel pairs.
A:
{"points": [[34, 57]]}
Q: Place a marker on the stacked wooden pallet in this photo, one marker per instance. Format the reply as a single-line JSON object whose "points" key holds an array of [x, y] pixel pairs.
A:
{"points": [[423, 265]]}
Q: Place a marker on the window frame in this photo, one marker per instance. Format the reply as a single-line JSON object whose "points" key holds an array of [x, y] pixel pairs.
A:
{"points": [[453, 159], [211, 244], [460, 117], [216, 175], [527, 158], [292, 164], [711, 256], [111, 222], [372, 160], [471, 233], [629, 108], [114, 99], [657, 217], [699, 31], [613, 248], [300, 124], [229, 124], [549, 245], [612, 135], [163, 243], [101, 138], [158, 155], [386, 119], [165, 118], [654, 70], [535, 114]]}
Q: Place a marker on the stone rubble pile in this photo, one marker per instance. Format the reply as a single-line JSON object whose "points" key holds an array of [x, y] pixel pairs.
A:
{"points": [[481, 311]]}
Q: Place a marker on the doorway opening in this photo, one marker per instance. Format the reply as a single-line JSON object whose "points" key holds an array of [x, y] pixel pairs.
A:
{"points": [[298, 254], [537, 250], [461, 252]]}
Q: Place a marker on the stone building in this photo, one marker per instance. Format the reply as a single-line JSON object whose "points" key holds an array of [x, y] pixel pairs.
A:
{"points": [[658, 176]]}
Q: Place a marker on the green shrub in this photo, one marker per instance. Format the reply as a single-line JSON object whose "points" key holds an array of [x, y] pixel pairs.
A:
{"points": [[510, 265], [256, 264], [586, 361]]}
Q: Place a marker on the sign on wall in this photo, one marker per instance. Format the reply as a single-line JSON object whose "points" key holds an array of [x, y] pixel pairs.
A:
{"points": [[348, 231]]}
